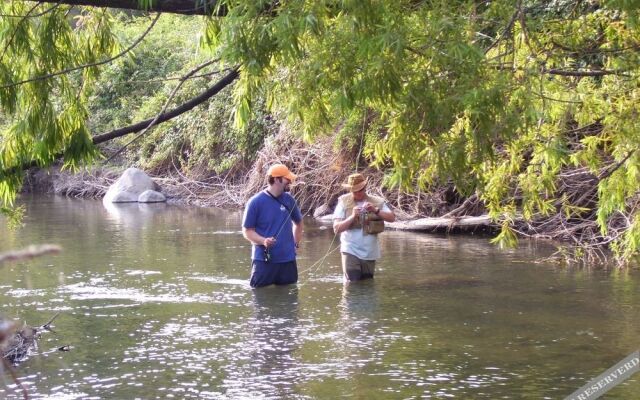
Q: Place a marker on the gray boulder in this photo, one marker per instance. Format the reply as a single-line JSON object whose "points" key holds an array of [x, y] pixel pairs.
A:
{"points": [[321, 211], [129, 187], [151, 196]]}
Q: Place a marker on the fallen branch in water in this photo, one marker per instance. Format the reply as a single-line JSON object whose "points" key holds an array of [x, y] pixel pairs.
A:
{"points": [[16, 343], [442, 223], [19, 342], [7, 330], [29, 252]]}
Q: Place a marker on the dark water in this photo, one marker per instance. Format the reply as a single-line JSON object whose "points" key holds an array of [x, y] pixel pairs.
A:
{"points": [[155, 303]]}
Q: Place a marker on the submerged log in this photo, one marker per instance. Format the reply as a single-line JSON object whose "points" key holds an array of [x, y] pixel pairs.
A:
{"points": [[434, 224], [442, 223]]}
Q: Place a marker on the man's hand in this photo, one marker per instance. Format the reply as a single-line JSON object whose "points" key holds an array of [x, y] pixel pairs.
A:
{"points": [[369, 207], [356, 212], [268, 242]]}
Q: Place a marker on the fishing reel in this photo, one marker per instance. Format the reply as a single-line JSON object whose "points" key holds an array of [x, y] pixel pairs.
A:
{"points": [[267, 255]]}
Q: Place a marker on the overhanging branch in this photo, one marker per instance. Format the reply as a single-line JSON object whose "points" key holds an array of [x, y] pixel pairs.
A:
{"points": [[206, 95], [95, 64], [186, 7], [602, 72]]}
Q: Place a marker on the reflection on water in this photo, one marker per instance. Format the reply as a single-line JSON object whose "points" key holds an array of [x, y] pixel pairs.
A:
{"points": [[273, 337], [155, 303]]}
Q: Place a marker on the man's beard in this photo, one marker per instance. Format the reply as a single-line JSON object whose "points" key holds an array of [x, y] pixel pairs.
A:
{"points": [[287, 188]]}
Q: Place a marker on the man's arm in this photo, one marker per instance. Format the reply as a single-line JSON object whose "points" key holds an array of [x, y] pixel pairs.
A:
{"points": [[297, 232], [386, 214], [254, 237], [341, 225]]}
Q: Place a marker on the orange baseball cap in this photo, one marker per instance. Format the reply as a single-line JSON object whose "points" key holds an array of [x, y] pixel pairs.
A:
{"points": [[281, 171]]}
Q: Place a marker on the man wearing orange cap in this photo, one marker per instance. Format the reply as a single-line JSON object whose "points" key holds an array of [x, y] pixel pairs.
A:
{"points": [[359, 248], [272, 222]]}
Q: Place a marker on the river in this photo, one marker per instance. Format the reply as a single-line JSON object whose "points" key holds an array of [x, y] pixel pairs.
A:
{"points": [[154, 302]]}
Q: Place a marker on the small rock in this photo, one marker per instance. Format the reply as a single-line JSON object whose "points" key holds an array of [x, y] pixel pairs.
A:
{"points": [[151, 196]]}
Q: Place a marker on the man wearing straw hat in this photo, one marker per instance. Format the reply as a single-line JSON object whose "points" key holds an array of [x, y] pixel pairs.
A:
{"points": [[355, 213], [272, 222]]}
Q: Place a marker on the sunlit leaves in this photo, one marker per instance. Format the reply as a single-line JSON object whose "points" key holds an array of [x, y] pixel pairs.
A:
{"points": [[46, 114], [487, 96]]}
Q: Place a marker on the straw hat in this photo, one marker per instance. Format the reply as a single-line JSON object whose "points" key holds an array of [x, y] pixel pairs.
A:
{"points": [[355, 183]]}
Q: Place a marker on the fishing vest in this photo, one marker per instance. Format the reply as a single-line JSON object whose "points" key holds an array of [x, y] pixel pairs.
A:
{"points": [[373, 223]]}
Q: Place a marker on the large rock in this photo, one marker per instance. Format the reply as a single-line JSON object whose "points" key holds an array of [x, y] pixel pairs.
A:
{"points": [[129, 187], [151, 196], [321, 211]]}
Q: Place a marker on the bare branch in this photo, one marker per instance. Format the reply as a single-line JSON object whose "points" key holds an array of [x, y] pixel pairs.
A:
{"points": [[172, 78], [29, 252], [213, 90], [602, 72], [206, 95], [164, 108]]}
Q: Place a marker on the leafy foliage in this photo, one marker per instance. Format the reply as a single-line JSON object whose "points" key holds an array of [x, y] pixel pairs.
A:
{"points": [[136, 87], [488, 95], [506, 99], [46, 117]]}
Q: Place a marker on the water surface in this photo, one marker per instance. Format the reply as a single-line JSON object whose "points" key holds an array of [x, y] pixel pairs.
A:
{"points": [[154, 302]]}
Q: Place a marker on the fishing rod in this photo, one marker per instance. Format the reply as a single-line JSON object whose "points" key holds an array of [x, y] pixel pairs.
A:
{"points": [[315, 266]]}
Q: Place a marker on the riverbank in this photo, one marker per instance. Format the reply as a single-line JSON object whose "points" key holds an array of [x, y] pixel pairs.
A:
{"points": [[217, 193], [321, 169]]}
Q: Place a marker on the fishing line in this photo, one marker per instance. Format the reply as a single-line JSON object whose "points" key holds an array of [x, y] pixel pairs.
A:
{"points": [[316, 266]]}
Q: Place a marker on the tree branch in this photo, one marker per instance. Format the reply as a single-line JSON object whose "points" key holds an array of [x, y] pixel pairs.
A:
{"points": [[29, 252], [583, 73], [40, 14], [13, 34], [186, 7], [601, 176], [206, 95], [212, 91], [164, 108], [507, 29]]}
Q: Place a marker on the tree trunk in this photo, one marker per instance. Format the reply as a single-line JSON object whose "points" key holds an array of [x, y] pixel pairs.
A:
{"points": [[187, 7]]}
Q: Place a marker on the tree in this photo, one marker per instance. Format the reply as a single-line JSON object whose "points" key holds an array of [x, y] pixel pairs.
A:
{"points": [[529, 104], [47, 69]]}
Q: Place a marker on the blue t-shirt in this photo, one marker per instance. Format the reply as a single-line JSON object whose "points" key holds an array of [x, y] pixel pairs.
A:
{"points": [[267, 216]]}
